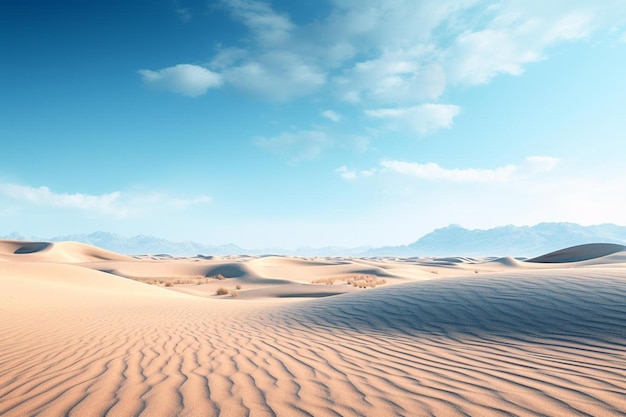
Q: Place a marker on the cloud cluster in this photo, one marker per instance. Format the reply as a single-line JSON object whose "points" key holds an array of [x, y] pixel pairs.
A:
{"points": [[397, 51], [392, 60]]}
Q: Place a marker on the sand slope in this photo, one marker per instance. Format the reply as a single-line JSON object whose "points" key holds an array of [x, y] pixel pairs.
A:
{"points": [[500, 338], [580, 253]]}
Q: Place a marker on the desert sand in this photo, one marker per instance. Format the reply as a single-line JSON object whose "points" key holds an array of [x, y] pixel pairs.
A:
{"points": [[87, 332]]}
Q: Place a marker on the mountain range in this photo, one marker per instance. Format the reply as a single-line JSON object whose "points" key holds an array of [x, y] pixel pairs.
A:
{"points": [[453, 240], [522, 241]]}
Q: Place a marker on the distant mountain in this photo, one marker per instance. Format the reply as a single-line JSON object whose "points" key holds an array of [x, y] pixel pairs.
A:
{"points": [[138, 245], [454, 240], [144, 244], [526, 241]]}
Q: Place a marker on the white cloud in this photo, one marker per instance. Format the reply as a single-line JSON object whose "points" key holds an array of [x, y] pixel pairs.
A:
{"points": [[297, 146], [350, 174], [331, 115], [278, 76], [345, 173], [43, 196], [185, 79], [570, 27], [432, 171], [423, 119], [268, 27], [477, 57], [393, 79], [115, 203], [516, 34], [392, 23], [541, 163]]}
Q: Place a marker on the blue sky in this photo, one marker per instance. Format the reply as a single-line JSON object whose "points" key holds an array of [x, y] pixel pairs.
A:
{"points": [[309, 123]]}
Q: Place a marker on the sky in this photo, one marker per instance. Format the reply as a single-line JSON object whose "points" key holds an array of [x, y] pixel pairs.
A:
{"points": [[309, 123]]}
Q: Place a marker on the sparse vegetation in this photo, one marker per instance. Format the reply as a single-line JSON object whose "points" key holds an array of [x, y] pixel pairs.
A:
{"points": [[356, 280], [234, 293], [238, 286], [170, 281], [222, 291]]}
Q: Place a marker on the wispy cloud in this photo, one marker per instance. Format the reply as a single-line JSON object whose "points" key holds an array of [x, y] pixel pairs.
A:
{"points": [[185, 79], [541, 163], [268, 26], [183, 12], [297, 146], [351, 174], [114, 203], [346, 173], [391, 79], [45, 197], [331, 115], [277, 76], [432, 171], [423, 119]]}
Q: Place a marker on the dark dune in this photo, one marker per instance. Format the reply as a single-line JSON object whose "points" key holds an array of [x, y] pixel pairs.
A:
{"points": [[579, 253]]}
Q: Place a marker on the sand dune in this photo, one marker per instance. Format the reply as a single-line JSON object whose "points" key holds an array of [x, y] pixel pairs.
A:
{"points": [[70, 252], [580, 253], [442, 336]]}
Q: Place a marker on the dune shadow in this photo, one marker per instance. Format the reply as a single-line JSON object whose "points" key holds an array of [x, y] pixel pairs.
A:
{"points": [[227, 271], [579, 253], [508, 306], [32, 247]]}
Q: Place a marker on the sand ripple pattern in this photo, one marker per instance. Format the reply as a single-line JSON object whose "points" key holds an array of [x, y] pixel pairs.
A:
{"points": [[550, 343]]}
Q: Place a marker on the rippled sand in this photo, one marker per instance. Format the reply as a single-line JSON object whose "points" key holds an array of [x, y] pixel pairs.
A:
{"points": [[443, 337]]}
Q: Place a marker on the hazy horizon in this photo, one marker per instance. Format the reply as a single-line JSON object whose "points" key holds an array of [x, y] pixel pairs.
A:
{"points": [[332, 123], [507, 240]]}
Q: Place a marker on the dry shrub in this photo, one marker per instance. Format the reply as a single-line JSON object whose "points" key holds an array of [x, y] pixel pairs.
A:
{"points": [[327, 281], [170, 281], [222, 291], [357, 280], [234, 293], [238, 286]]}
